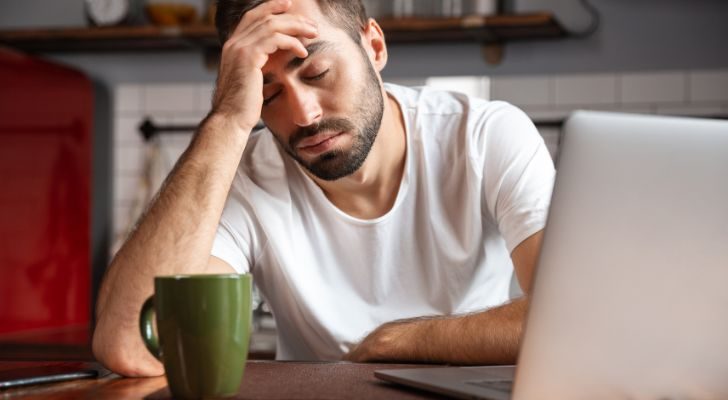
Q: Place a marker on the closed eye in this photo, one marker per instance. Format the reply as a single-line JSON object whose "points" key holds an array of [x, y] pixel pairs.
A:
{"points": [[317, 77], [311, 78], [271, 98]]}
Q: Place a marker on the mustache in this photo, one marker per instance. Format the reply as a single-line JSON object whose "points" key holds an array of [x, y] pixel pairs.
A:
{"points": [[327, 125]]}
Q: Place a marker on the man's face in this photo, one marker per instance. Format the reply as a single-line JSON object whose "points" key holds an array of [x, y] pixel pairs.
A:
{"points": [[325, 110]]}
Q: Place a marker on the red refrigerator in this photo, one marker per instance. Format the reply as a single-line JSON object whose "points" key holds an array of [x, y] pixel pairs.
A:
{"points": [[46, 131]]}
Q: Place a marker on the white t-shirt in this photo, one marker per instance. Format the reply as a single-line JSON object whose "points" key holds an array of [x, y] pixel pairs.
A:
{"points": [[477, 181]]}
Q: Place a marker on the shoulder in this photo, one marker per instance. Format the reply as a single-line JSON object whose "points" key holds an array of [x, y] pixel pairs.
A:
{"points": [[430, 104], [467, 120], [499, 127], [430, 101], [426, 101]]}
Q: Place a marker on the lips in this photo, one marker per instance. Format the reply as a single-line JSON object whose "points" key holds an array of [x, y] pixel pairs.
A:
{"points": [[316, 140]]}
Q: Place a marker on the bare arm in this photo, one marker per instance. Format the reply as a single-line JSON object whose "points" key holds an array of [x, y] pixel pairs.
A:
{"points": [[174, 237], [176, 234], [486, 337]]}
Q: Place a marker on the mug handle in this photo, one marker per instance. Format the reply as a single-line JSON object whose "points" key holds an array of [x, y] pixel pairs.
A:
{"points": [[150, 339]]}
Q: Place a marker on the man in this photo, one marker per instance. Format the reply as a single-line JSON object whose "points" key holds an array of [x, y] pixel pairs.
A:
{"points": [[362, 207]]}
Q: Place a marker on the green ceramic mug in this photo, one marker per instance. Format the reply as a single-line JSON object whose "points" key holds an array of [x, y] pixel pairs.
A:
{"points": [[203, 325]]}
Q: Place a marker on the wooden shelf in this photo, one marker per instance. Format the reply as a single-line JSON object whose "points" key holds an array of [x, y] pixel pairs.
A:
{"points": [[115, 39], [497, 29], [485, 30]]}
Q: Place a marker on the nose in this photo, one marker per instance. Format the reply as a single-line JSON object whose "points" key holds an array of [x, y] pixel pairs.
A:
{"points": [[304, 106]]}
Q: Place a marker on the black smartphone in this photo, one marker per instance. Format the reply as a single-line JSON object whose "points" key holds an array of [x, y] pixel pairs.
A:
{"points": [[34, 375]]}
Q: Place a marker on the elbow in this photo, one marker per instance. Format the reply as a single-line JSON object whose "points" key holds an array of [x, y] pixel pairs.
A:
{"points": [[122, 355]]}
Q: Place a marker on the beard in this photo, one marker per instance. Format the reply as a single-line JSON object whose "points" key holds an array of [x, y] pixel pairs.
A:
{"points": [[363, 126]]}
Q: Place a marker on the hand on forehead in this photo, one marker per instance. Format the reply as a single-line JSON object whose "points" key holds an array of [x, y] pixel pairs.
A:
{"points": [[328, 34]]}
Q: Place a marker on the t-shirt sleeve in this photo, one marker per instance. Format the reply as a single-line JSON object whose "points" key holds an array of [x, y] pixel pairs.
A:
{"points": [[236, 239], [518, 173]]}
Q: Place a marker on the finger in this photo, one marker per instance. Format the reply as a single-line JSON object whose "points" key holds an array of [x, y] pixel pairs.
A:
{"points": [[280, 41], [267, 8], [290, 26], [258, 55]]}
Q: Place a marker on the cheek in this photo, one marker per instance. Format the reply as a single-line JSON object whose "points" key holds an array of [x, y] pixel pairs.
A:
{"points": [[281, 138], [340, 96], [275, 125]]}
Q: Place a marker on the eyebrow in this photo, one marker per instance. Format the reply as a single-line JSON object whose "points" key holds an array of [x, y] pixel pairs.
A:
{"points": [[296, 62]]}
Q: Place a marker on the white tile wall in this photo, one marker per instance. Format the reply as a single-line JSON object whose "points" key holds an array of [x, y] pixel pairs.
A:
{"points": [[128, 159], [126, 187], [691, 110], [193, 119], [177, 140], [580, 90], [179, 104], [636, 108], [171, 98], [709, 86], [126, 130], [660, 87], [523, 91], [128, 99]]}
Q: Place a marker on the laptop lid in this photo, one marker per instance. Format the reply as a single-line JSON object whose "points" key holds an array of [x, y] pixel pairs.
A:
{"points": [[630, 295]]}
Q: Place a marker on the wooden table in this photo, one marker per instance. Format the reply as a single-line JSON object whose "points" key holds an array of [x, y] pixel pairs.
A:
{"points": [[262, 380]]}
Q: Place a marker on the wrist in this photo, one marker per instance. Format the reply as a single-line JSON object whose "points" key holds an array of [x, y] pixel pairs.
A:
{"points": [[406, 341], [422, 339], [221, 133], [230, 122]]}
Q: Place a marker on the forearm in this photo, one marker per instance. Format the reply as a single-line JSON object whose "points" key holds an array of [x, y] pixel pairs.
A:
{"points": [[173, 237], [487, 337]]}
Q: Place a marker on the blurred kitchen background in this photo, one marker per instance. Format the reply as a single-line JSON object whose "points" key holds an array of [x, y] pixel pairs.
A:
{"points": [[137, 76]]}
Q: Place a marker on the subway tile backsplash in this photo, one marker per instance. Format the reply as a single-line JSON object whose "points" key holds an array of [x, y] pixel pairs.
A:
{"points": [[524, 91], [708, 86], [140, 167], [690, 110], [128, 100], [170, 98], [659, 87], [592, 89]]}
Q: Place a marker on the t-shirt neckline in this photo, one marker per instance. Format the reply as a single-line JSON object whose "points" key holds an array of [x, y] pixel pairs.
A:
{"points": [[403, 185]]}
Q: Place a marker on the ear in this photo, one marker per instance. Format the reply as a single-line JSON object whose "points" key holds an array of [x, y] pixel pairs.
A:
{"points": [[372, 38]]}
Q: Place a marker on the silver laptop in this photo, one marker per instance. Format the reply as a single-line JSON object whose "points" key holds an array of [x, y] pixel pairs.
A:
{"points": [[631, 294]]}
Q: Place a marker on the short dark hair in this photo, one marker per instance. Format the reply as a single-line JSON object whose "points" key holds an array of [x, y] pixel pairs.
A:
{"points": [[348, 15]]}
